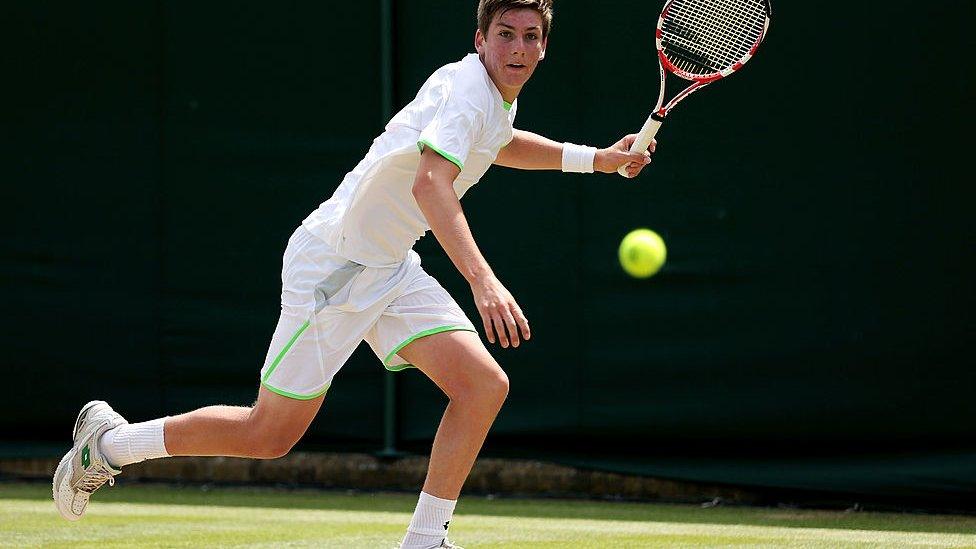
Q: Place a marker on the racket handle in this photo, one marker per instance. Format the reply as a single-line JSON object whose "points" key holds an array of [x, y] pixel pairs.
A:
{"points": [[644, 138]]}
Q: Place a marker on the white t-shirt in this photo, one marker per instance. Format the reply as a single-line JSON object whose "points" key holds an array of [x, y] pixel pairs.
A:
{"points": [[373, 218]]}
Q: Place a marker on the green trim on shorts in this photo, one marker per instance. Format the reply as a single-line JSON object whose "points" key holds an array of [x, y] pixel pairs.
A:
{"points": [[422, 143], [293, 395], [281, 355], [415, 337]]}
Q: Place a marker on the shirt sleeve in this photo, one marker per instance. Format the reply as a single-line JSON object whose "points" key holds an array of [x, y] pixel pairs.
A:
{"points": [[456, 125]]}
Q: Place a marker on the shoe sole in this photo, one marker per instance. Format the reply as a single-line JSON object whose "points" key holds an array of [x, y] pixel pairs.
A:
{"points": [[59, 474]]}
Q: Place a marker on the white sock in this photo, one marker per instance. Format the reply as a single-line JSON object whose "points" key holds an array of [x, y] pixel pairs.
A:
{"points": [[428, 527], [133, 442]]}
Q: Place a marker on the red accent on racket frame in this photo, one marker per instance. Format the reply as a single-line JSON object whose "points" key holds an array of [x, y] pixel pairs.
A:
{"points": [[667, 8]]}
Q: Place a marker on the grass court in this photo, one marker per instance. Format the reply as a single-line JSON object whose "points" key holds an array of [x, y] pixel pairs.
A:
{"points": [[136, 516]]}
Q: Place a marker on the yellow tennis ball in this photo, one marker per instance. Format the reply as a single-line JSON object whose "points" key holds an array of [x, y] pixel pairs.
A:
{"points": [[642, 253]]}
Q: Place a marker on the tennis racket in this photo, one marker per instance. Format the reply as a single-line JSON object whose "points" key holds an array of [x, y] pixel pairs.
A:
{"points": [[702, 41]]}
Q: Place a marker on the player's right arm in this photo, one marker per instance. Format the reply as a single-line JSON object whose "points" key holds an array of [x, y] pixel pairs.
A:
{"points": [[433, 188], [530, 151]]}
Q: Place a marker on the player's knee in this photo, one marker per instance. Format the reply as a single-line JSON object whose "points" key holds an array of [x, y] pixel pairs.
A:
{"points": [[499, 386], [488, 391], [269, 440], [271, 445]]}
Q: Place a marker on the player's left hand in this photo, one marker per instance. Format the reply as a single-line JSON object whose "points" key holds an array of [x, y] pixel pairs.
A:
{"points": [[610, 159]]}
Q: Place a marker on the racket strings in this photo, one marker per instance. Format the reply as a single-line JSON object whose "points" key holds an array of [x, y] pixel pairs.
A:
{"points": [[727, 30], [712, 48], [714, 35], [704, 37]]}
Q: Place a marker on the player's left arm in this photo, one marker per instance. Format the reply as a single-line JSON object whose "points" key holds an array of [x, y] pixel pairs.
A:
{"points": [[530, 151]]}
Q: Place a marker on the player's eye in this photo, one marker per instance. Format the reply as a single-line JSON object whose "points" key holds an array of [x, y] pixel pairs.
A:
{"points": [[505, 34], [532, 36]]}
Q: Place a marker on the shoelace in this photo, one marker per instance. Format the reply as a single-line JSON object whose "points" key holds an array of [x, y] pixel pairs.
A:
{"points": [[95, 478]]}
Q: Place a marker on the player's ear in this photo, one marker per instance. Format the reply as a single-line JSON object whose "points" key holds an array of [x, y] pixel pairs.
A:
{"points": [[479, 41]]}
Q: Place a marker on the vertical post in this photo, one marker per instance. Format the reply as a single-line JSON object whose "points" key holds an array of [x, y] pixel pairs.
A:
{"points": [[386, 59], [386, 110]]}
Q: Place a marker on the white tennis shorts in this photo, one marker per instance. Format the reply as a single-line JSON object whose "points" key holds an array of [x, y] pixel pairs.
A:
{"points": [[330, 304]]}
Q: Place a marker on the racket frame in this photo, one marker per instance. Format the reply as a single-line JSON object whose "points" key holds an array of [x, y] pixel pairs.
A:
{"points": [[698, 82]]}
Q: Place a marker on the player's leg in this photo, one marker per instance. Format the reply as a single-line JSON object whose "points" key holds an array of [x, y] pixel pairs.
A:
{"points": [[312, 340], [104, 441], [459, 364], [267, 430], [425, 328], [293, 385], [309, 345], [291, 393]]}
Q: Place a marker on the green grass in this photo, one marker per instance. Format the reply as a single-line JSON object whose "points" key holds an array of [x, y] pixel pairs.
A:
{"points": [[162, 516]]}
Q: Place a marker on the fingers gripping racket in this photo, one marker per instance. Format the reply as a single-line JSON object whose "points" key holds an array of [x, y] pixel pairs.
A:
{"points": [[702, 41]]}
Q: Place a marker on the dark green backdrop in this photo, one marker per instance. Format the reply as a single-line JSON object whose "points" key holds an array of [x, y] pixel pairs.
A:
{"points": [[809, 332]]}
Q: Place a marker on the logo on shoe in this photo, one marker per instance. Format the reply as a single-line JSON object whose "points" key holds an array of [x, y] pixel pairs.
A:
{"points": [[85, 457]]}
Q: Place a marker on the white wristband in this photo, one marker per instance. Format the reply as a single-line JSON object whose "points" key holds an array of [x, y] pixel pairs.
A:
{"points": [[578, 158]]}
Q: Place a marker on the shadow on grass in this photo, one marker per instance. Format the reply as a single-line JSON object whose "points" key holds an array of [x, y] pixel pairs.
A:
{"points": [[305, 498]]}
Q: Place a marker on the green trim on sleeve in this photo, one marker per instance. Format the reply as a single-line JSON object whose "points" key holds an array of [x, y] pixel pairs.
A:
{"points": [[415, 337], [284, 351], [424, 143], [293, 395]]}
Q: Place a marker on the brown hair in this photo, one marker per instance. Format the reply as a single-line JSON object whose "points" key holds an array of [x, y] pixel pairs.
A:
{"points": [[487, 9]]}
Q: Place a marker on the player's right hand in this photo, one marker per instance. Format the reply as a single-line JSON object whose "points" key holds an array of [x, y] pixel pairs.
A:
{"points": [[500, 314], [608, 160]]}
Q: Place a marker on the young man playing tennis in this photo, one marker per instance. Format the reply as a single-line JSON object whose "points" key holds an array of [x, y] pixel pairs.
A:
{"points": [[350, 274]]}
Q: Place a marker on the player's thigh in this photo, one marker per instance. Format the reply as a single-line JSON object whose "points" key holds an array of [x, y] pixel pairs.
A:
{"points": [[458, 363]]}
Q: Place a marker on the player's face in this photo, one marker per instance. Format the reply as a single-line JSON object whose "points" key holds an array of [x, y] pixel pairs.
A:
{"points": [[512, 49]]}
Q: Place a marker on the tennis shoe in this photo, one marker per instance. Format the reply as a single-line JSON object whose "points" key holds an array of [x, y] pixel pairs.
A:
{"points": [[84, 469]]}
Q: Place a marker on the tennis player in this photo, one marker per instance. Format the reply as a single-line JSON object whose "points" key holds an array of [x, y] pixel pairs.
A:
{"points": [[349, 274]]}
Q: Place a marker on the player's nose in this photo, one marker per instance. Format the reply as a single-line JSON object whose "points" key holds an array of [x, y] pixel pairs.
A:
{"points": [[520, 46]]}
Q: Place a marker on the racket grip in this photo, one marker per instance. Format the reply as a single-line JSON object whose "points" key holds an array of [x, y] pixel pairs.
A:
{"points": [[644, 138]]}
